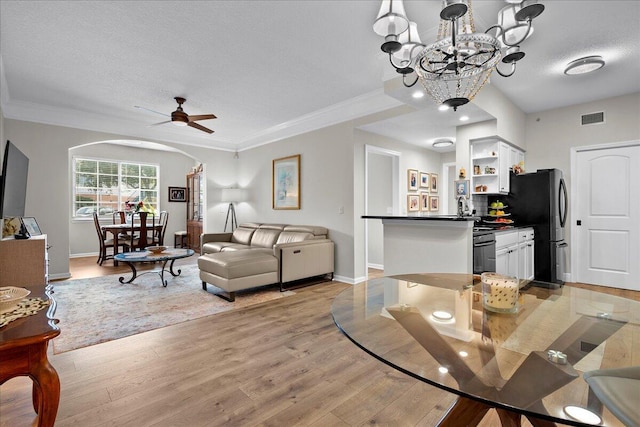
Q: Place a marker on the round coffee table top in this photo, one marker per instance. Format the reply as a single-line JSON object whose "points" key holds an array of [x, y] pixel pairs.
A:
{"points": [[147, 256]]}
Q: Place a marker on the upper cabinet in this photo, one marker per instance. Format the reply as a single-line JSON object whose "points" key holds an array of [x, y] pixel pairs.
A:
{"points": [[491, 160]]}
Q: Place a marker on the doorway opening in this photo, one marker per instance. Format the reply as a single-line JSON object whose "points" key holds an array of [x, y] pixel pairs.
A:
{"points": [[382, 197]]}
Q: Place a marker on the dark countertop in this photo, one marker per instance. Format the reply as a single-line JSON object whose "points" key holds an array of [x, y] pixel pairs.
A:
{"points": [[423, 218]]}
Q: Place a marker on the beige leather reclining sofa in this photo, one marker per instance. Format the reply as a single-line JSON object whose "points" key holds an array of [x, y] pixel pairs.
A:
{"points": [[262, 254]]}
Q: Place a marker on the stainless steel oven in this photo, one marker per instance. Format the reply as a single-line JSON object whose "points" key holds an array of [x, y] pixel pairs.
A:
{"points": [[484, 251]]}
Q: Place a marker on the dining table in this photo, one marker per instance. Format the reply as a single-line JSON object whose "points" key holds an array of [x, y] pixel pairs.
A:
{"points": [[533, 362], [141, 229]]}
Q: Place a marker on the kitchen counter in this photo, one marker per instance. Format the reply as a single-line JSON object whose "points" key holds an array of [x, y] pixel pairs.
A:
{"points": [[427, 244], [423, 218]]}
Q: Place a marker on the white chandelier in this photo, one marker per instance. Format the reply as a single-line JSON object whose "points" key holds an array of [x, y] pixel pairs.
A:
{"points": [[455, 67]]}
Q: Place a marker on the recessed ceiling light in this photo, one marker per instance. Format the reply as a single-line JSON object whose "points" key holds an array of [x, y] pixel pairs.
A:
{"points": [[442, 143], [418, 94], [442, 315], [464, 118], [582, 414], [584, 65], [443, 107]]}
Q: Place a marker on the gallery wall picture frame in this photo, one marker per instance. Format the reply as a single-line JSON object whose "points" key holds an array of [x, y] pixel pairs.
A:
{"points": [[461, 188], [413, 203], [434, 203], [412, 180], [31, 225], [424, 201], [177, 194], [434, 183], [285, 183], [425, 181]]}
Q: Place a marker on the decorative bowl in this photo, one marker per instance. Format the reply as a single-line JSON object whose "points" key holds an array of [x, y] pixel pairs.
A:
{"points": [[156, 249], [10, 296]]}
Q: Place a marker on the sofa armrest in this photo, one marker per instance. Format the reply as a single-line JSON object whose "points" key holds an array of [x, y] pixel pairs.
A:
{"points": [[308, 258], [214, 237]]}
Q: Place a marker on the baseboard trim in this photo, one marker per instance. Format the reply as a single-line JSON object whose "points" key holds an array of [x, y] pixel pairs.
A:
{"points": [[376, 266], [84, 255], [59, 276], [344, 279]]}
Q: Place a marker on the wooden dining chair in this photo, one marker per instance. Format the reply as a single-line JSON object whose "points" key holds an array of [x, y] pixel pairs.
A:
{"points": [[119, 217], [158, 235], [107, 242]]}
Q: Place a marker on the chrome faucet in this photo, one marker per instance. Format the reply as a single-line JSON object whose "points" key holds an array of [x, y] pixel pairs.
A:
{"points": [[463, 206]]}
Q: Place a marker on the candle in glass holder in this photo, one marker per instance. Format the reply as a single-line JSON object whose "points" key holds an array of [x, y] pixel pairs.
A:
{"points": [[499, 292]]}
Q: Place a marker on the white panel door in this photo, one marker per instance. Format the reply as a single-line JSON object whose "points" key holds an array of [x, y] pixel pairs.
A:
{"points": [[608, 209]]}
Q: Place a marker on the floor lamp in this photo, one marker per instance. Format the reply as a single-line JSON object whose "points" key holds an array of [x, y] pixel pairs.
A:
{"points": [[231, 195]]}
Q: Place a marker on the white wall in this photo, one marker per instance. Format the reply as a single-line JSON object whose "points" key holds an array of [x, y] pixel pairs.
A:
{"points": [[326, 172], [551, 134], [510, 124], [2, 140]]}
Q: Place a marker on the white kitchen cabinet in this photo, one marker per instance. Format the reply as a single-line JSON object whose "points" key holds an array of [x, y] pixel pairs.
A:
{"points": [[514, 253], [491, 161], [526, 254], [507, 253]]}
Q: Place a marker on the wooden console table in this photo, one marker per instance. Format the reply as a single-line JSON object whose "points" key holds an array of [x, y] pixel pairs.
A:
{"points": [[23, 352]]}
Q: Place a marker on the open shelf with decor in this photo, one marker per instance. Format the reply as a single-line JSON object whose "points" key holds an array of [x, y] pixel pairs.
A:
{"points": [[492, 158]]}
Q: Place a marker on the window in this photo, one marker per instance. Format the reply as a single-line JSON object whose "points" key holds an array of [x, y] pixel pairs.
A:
{"points": [[104, 186]]}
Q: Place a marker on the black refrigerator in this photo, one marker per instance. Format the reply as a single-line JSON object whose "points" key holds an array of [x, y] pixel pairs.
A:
{"points": [[539, 199]]}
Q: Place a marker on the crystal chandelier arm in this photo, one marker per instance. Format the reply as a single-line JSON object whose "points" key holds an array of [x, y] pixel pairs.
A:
{"points": [[501, 34], [404, 81], [402, 61], [513, 70]]}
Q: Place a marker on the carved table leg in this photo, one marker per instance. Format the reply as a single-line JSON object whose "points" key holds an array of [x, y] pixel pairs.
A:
{"points": [[46, 386]]}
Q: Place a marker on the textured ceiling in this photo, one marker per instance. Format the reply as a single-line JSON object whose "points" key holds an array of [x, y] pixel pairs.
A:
{"points": [[270, 69]]}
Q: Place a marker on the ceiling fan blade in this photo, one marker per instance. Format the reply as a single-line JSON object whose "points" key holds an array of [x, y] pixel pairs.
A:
{"points": [[161, 123], [153, 111], [202, 117], [199, 127]]}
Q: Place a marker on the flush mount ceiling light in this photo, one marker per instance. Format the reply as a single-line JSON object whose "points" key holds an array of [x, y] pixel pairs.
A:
{"points": [[441, 143], [454, 68], [584, 65]]}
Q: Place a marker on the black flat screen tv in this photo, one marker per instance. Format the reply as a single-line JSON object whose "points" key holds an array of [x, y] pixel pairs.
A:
{"points": [[13, 184]]}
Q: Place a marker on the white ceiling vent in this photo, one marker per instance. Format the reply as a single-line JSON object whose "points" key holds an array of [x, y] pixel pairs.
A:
{"points": [[592, 118]]}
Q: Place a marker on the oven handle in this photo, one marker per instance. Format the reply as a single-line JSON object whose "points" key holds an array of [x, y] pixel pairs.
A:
{"points": [[479, 245]]}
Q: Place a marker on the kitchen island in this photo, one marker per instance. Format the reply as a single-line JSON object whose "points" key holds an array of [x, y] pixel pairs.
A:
{"points": [[427, 244]]}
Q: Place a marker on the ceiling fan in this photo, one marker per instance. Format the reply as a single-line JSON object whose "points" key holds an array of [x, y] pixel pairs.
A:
{"points": [[180, 118]]}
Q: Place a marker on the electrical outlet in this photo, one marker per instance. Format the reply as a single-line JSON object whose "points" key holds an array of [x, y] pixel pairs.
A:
{"points": [[341, 210]]}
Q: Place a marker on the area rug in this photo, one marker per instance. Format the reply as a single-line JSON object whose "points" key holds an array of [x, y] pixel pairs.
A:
{"points": [[102, 309]]}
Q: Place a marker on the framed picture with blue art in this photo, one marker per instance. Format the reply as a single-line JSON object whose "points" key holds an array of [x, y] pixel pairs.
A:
{"points": [[285, 183], [425, 181], [461, 188], [412, 180]]}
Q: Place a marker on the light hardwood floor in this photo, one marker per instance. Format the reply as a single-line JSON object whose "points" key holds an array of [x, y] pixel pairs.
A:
{"points": [[280, 363]]}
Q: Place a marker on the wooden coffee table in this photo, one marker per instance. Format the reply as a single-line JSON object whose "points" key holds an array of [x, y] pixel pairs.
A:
{"points": [[136, 257], [23, 352]]}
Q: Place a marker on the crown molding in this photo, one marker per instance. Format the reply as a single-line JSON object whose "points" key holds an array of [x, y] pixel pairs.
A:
{"points": [[363, 105], [360, 106]]}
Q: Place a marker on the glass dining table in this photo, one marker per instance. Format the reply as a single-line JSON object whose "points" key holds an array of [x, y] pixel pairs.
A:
{"points": [[531, 363]]}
